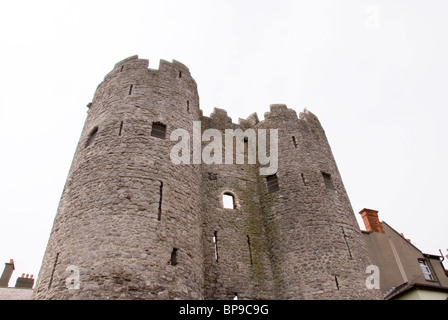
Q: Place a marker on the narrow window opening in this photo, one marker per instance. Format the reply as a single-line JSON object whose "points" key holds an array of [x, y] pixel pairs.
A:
{"points": [[158, 130], [328, 181], [250, 250], [346, 243], [52, 271], [173, 260], [130, 89], [180, 74], [121, 128], [159, 215], [188, 106], [228, 201], [303, 179], [215, 242], [272, 183], [294, 141], [336, 281], [92, 136], [121, 70]]}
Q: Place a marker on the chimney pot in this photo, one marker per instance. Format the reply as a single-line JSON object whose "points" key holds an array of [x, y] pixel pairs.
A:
{"points": [[25, 282], [371, 220]]}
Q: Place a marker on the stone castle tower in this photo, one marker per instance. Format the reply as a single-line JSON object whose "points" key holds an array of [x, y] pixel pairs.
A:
{"points": [[131, 224]]}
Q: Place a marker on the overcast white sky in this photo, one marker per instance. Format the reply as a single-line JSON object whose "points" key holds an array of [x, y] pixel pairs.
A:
{"points": [[374, 72]]}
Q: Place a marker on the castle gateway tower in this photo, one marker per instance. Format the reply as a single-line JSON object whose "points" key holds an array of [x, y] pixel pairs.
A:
{"points": [[134, 224]]}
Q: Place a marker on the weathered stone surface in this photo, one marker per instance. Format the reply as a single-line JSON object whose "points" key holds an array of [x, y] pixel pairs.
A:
{"points": [[141, 227]]}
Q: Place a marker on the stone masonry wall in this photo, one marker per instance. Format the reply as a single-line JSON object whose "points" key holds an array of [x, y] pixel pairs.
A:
{"points": [[137, 226]]}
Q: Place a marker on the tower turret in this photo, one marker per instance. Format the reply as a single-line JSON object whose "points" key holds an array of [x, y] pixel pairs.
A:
{"points": [[315, 242], [128, 220]]}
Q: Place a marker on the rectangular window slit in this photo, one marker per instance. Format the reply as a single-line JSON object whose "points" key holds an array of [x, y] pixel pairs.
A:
{"points": [[294, 141], [130, 88], [159, 215], [52, 271], [250, 250], [121, 70], [173, 260], [346, 243], [215, 241], [121, 128], [336, 281]]}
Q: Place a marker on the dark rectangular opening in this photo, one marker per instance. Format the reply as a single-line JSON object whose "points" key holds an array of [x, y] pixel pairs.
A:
{"points": [[130, 89], [158, 130], [328, 181], [121, 128], [159, 214], [250, 250], [346, 243], [215, 241], [52, 271], [272, 183], [336, 281], [174, 257], [294, 141]]}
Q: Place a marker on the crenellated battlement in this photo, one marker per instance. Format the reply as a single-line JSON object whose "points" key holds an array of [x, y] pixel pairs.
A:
{"points": [[135, 65], [132, 61], [132, 81], [278, 114]]}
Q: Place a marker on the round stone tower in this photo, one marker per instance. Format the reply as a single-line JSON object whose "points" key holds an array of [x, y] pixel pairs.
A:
{"points": [[317, 250], [128, 223]]}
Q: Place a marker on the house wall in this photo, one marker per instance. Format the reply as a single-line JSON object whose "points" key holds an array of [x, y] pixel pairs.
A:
{"points": [[397, 259]]}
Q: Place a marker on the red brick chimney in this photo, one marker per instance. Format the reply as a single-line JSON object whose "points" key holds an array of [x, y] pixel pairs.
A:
{"points": [[371, 220]]}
